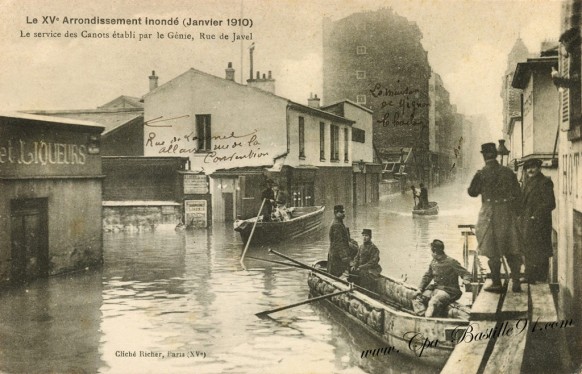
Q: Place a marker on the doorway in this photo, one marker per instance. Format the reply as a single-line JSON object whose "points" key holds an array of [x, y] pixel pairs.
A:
{"points": [[29, 239], [228, 199]]}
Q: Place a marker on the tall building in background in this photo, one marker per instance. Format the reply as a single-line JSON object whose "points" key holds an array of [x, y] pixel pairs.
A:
{"points": [[376, 59], [511, 96]]}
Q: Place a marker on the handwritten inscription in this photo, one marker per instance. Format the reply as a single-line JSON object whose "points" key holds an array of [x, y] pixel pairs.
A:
{"points": [[399, 106], [42, 153], [218, 148]]}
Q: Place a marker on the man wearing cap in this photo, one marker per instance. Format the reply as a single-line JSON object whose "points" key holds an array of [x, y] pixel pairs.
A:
{"points": [[440, 284], [366, 265], [338, 258], [496, 229], [538, 201]]}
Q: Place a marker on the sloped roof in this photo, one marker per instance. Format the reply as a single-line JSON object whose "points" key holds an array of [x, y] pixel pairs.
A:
{"points": [[123, 102], [108, 118]]}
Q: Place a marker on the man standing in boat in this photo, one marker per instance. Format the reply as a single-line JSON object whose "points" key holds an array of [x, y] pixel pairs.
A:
{"points": [[366, 265], [423, 198], [269, 197], [338, 258], [496, 229], [440, 284]]}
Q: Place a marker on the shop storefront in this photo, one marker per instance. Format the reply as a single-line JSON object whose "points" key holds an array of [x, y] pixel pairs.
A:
{"points": [[50, 205]]}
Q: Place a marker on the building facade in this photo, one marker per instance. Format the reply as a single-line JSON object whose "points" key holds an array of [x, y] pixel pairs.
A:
{"points": [[241, 135], [376, 60], [50, 206], [569, 186]]}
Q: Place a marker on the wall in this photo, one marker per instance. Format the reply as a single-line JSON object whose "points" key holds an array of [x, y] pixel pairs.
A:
{"points": [[74, 221], [248, 125], [126, 140], [364, 121], [139, 178], [333, 186], [545, 112], [312, 145]]}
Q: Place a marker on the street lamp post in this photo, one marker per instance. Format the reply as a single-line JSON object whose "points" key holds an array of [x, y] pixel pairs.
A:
{"points": [[502, 150]]}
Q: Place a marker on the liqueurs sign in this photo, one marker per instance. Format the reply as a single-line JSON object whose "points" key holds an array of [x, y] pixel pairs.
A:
{"points": [[42, 153]]}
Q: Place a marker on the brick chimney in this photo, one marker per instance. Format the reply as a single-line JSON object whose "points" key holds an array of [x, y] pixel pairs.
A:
{"points": [[229, 72], [313, 102], [153, 81], [266, 83]]}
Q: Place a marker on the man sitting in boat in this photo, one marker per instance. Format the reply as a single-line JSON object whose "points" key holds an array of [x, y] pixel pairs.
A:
{"points": [[366, 265], [440, 284], [280, 211]]}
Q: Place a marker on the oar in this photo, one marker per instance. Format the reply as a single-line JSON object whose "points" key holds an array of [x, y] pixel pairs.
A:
{"points": [[264, 313], [251, 235], [276, 262], [361, 289]]}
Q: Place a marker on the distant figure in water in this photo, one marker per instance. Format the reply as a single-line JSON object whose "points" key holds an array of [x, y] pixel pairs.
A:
{"points": [[423, 203], [415, 196]]}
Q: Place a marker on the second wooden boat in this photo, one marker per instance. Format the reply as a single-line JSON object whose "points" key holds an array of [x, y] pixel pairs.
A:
{"points": [[304, 220]]}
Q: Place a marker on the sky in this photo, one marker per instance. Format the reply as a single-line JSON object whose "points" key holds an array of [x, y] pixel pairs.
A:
{"points": [[467, 42]]}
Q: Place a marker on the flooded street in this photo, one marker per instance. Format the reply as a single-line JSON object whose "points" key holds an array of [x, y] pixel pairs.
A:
{"points": [[184, 297]]}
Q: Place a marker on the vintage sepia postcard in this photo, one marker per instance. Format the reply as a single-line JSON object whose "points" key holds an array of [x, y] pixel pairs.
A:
{"points": [[275, 186]]}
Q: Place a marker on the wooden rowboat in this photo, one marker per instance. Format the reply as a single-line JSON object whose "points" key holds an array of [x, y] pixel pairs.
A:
{"points": [[433, 209], [386, 313], [304, 220]]}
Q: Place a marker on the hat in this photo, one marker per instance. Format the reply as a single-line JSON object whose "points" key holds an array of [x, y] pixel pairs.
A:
{"points": [[338, 208], [488, 148], [437, 246], [532, 162], [367, 232]]}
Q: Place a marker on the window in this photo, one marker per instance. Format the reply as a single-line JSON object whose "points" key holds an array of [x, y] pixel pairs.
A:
{"points": [[321, 141], [203, 132], [346, 144], [361, 50], [301, 137], [334, 132], [360, 74], [361, 99], [358, 135]]}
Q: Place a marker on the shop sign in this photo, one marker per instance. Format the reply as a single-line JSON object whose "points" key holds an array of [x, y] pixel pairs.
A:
{"points": [[195, 184], [195, 212]]}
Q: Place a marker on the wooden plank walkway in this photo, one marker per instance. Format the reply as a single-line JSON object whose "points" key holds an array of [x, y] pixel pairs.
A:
{"points": [[503, 320]]}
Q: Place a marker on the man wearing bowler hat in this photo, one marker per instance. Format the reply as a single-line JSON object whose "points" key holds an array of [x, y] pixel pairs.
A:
{"points": [[538, 201], [338, 258], [497, 231], [366, 265]]}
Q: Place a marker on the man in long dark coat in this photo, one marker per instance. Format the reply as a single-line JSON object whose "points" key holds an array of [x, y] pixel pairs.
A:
{"points": [[423, 198], [497, 230], [338, 258], [538, 201], [268, 195]]}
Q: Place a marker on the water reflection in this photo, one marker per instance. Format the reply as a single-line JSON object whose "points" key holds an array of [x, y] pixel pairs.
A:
{"points": [[52, 325], [185, 292]]}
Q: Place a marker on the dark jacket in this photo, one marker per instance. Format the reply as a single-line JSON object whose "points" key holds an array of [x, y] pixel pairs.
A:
{"points": [[423, 197], [445, 272], [269, 195], [338, 258], [497, 229], [538, 201], [368, 259]]}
